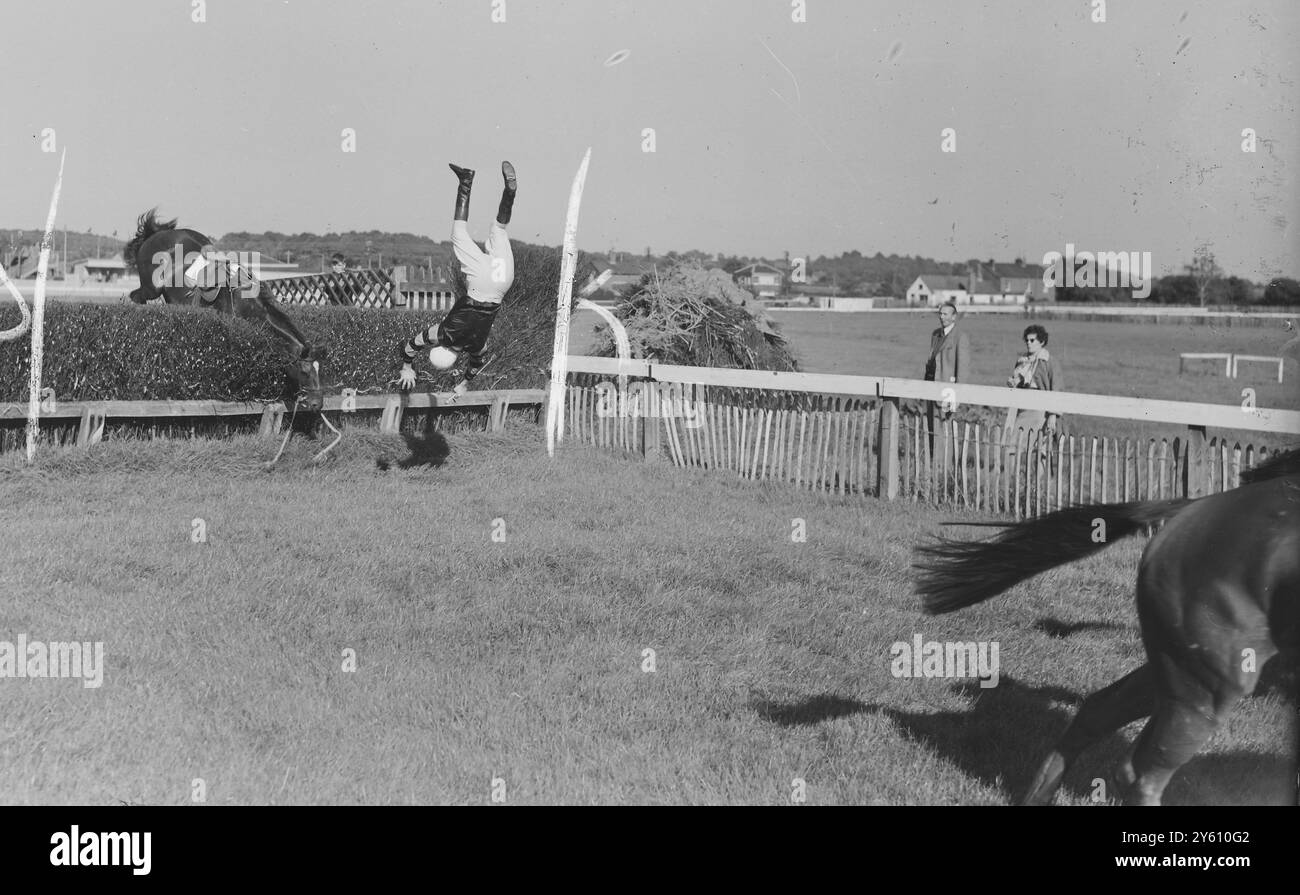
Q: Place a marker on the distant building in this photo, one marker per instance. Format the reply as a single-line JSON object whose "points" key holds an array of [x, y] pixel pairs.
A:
{"points": [[15, 258], [763, 280], [1023, 279], [930, 290], [98, 270], [23, 264], [997, 284], [626, 271]]}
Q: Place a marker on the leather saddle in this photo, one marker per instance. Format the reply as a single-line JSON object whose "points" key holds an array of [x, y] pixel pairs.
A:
{"points": [[226, 279]]}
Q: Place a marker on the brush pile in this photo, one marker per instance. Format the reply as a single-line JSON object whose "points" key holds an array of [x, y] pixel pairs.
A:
{"points": [[695, 317]]}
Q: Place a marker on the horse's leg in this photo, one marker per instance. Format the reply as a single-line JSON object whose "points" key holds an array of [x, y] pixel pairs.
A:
{"points": [[1170, 739], [1190, 710], [1131, 697]]}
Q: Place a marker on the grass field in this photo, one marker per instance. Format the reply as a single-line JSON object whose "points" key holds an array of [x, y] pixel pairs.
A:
{"points": [[523, 658], [1134, 360]]}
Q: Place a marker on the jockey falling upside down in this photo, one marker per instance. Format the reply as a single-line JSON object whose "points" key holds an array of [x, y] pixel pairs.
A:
{"points": [[488, 276]]}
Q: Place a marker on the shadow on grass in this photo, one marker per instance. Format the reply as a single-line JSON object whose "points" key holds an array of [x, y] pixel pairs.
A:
{"points": [[812, 710], [428, 448], [1053, 628], [987, 742], [1011, 728], [999, 740], [1234, 778]]}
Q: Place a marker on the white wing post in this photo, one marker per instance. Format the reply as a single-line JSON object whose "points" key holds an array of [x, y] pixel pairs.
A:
{"points": [[38, 319], [563, 308]]}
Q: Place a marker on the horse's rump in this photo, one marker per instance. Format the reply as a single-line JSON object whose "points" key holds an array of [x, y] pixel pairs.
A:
{"points": [[1223, 576]]}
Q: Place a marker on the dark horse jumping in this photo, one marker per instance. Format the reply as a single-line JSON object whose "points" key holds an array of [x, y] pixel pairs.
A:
{"points": [[1218, 595], [151, 251]]}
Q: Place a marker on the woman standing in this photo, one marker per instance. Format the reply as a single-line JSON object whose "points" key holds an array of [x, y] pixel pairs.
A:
{"points": [[1034, 369]]}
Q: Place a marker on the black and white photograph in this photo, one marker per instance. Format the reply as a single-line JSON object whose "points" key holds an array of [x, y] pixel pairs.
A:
{"points": [[744, 403]]}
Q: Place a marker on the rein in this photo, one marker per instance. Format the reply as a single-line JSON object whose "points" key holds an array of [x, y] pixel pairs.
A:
{"points": [[338, 435]]}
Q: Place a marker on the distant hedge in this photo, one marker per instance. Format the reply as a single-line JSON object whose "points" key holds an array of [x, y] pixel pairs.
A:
{"points": [[155, 352]]}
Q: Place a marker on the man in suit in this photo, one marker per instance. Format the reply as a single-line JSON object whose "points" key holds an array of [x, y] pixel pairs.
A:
{"points": [[949, 348], [950, 357]]}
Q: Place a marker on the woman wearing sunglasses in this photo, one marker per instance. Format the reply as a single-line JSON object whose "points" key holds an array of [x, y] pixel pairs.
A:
{"points": [[1034, 369]]}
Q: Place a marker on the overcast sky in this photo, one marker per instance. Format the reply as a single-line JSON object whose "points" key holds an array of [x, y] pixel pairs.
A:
{"points": [[770, 135]]}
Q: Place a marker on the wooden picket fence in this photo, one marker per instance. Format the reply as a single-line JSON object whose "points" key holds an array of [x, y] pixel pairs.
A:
{"points": [[1028, 473], [815, 441], [864, 444]]}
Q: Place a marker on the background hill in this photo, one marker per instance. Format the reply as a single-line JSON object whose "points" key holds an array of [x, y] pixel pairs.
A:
{"points": [[850, 273], [22, 244]]}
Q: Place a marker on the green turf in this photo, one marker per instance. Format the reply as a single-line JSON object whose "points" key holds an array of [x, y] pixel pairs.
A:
{"points": [[1138, 360], [522, 660]]}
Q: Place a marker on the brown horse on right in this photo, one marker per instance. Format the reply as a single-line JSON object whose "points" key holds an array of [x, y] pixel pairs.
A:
{"points": [[1218, 595]]}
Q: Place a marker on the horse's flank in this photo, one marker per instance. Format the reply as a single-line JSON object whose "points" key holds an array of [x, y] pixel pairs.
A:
{"points": [[1218, 594]]}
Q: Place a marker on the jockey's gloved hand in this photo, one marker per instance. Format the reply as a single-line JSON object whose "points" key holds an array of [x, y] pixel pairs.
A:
{"points": [[406, 378], [461, 387]]}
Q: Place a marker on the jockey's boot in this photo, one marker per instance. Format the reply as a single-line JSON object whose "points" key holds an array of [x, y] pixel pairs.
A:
{"points": [[466, 176], [507, 194]]}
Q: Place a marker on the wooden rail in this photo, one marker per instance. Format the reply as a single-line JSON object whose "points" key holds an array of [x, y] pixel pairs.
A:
{"points": [[93, 415], [1215, 356], [1259, 359], [851, 434], [1257, 419]]}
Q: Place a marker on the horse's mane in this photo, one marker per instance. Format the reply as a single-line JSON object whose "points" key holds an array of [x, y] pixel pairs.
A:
{"points": [[145, 226], [1276, 466]]}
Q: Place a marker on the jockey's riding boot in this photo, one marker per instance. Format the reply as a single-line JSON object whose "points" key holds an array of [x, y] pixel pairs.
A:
{"points": [[466, 176], [507, 194]]}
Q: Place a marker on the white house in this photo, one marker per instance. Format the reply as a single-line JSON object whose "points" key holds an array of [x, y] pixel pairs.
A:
{"points": [[1024, 280], [763, 280], [930, 290], [627, 271], [1003, 285]]}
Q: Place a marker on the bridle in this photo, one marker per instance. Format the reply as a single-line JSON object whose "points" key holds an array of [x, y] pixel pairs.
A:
{"points": [[293, 414]]}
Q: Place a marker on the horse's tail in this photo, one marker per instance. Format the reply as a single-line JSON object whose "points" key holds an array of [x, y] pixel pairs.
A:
{"points": [[145, 226], [955, 574]]}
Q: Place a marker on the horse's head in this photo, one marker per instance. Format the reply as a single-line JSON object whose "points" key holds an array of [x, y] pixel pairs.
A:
{"points": [[302, 385]]}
